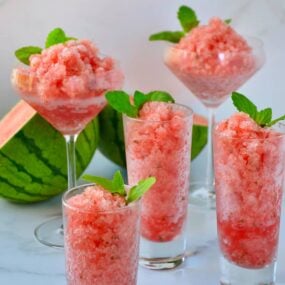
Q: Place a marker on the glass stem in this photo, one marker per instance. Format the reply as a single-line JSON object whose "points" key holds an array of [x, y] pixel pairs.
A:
{"points": [[71, 159], [210, 163]]}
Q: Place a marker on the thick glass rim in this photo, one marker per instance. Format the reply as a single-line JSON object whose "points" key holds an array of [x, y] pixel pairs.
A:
{"points": [[79, 209], [188, 115]]}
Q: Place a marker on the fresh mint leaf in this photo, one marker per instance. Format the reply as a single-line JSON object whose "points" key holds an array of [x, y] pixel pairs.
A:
{"points": [[114, 186], [264, 117], [243, 104], [160, 96], [24, 53], [187, 18], [120, 101], [139, 99], [118, 183], [137, 191], [228, 21], [173, 37], [270, 124], [104, 182], [56, 36]]}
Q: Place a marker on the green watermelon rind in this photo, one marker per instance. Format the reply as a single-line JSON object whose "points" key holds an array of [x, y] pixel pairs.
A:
{"points": [[33, 163]]}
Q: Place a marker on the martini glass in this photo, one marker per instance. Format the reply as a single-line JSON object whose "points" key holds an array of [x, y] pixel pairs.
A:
{"points": [[69, 115], [212, 86]]}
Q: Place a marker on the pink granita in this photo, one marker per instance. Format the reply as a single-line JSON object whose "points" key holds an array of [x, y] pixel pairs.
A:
{"points": [[212, 60], [66, 83], [249, 173], [101, 238], [158, 144]]}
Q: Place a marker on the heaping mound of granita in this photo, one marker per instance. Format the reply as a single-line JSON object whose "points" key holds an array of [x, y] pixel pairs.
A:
{"points": [[101, 231], [158, 144], [73, 69], [249, 173], [212, 61], [66, 84], [96, 253]]}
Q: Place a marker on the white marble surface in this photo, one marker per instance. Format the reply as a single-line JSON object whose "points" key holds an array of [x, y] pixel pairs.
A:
{"points": [[24, 261]]}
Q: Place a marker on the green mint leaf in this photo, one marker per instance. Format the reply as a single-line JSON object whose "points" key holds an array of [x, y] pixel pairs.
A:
{"points": [[228, 21], [243, 104], [139, 99], [118, 183], [160, 96], [173, 37], [104, 182], [137, 191], [264, 117], [187, 18], [114, 186], [56, 36], [71, 39], [23, 54], [270, 124], [120, 101]]}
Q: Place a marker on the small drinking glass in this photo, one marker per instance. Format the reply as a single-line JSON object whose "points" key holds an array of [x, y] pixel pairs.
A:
{"points": [[161, 149], [101, 247], [249, 176]]}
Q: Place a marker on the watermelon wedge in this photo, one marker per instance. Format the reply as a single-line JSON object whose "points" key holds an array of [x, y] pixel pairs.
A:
{"points": [[112, 145], [33, 157]]}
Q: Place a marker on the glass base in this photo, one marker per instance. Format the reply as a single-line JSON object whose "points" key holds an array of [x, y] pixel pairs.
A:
{"points": [[162, 255], [50, 233], [161, 263], [236, 275], [202, 195]]}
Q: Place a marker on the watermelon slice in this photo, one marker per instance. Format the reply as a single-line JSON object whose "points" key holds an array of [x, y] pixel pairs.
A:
{"points": [[33, 157], [112, 145]]}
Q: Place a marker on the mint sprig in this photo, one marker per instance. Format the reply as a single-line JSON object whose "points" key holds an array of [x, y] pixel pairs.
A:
{"points": [[120, 100], [263, 117], [116, 186], [173, 37], [55, 37], [188, 20], [24, 53], [228, 21], [139, 190]]}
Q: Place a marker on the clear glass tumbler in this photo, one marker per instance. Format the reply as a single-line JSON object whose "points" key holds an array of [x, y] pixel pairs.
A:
{"points": [[249, 174], [101, 247], [161, 149]]}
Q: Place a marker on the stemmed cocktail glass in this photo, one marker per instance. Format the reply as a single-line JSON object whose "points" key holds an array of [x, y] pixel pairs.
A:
{"points": [[69, 114], [212, 87]]}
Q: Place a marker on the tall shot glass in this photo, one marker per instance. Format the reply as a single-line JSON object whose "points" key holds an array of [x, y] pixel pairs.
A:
{"points": [[161, 148], [101, 247], [249, 176]]}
